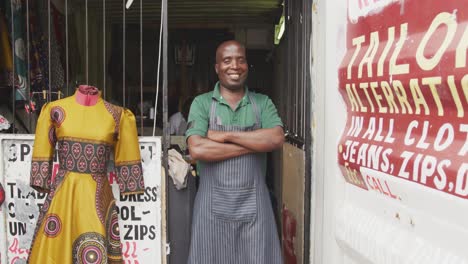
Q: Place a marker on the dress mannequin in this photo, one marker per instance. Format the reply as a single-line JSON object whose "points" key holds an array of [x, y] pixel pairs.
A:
{"points": [[78, 222], [87, 95]]}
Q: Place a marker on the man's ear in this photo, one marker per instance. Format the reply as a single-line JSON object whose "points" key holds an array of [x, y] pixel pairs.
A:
{"points": [[216, 68]]}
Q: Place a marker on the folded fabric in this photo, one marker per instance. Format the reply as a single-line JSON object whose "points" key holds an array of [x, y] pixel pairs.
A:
{"points": [[178, 169]]}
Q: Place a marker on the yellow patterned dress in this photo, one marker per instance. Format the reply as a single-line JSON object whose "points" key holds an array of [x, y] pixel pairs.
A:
{"points": [[78, 222]]}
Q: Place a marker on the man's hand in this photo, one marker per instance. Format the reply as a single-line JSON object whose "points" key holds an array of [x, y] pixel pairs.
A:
{"points": [[218, 136]]}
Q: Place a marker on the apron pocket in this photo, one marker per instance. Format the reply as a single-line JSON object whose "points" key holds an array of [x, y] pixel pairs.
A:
{"points": [[234, 204]]}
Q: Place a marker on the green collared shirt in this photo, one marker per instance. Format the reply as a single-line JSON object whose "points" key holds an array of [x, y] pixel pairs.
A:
{"points": [[243, 115]]}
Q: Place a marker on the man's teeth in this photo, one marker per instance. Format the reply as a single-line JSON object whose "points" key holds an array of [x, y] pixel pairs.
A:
{"points": [[234, 76]]}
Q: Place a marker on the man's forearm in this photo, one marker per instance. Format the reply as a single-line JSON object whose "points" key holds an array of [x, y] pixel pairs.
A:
{"points": [[208, 150], [260, 140]]}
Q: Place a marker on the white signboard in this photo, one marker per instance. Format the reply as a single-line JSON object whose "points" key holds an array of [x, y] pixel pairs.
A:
{"points": [[140, 215]]}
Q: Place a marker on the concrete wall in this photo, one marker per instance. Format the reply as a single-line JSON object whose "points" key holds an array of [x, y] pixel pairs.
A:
{"points": [[328, 113]]}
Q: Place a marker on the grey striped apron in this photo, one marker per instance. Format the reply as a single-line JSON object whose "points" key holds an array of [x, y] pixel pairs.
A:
{"points": [[233, 219]]}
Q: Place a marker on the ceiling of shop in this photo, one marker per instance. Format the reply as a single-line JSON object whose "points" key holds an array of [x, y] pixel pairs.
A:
{"points": [[193, 13]]}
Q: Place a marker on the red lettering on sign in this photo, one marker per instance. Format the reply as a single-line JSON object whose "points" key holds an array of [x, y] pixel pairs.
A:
{"points": [[129, 250], [14, 260], [405, 85], [15, 249], [376, 185]]}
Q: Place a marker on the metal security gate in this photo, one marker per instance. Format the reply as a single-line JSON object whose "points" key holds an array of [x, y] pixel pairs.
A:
{"points": [[60, 44], [292, 94]]}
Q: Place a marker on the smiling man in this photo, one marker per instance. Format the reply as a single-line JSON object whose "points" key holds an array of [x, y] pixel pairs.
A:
{"points": [[230, 129]]}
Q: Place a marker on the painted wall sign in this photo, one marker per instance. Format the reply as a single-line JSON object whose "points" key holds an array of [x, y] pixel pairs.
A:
{"points": [[404, 80], [140, 216], [362, 8]]}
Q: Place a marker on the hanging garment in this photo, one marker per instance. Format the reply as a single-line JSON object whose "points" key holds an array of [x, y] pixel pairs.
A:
{"points": [[38, 52], [18, 36], [78, 222], [56, 78], [6, 61], [233, 221], [59, 28]]}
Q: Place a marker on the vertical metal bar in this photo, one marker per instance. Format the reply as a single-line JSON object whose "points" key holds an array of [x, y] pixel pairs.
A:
{"points": [[165, 95], [286, 56], [28, 96], [297, 67], [166, 137], [104, 46], [66, 46], [123, 56], [307, 6], [141, 66], [290, 74], [158, 71], [13, 88], [49, 50], [294, 62], [299, 71], [298, 78], [87, 47], [304, 74], [306, 80]]}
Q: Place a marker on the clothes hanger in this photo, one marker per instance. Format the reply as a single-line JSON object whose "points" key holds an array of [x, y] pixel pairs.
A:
{"points": [[129, 4]]}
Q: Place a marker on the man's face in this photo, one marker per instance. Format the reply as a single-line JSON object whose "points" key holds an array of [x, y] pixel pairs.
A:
{"points": [[231, 66]]}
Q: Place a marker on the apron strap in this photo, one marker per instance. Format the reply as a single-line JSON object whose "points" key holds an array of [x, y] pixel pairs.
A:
{"points": [[213, 113], [258, 119]]}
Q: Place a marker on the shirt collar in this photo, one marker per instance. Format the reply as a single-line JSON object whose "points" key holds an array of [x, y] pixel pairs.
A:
{"points": [[217, 96]]}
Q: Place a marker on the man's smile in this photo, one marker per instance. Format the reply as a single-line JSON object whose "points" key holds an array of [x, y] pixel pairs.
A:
{"points": [[234, 76]]}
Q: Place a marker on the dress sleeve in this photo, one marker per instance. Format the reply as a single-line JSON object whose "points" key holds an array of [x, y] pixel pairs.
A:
{"points": [[127, 156], [43, 152]]}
